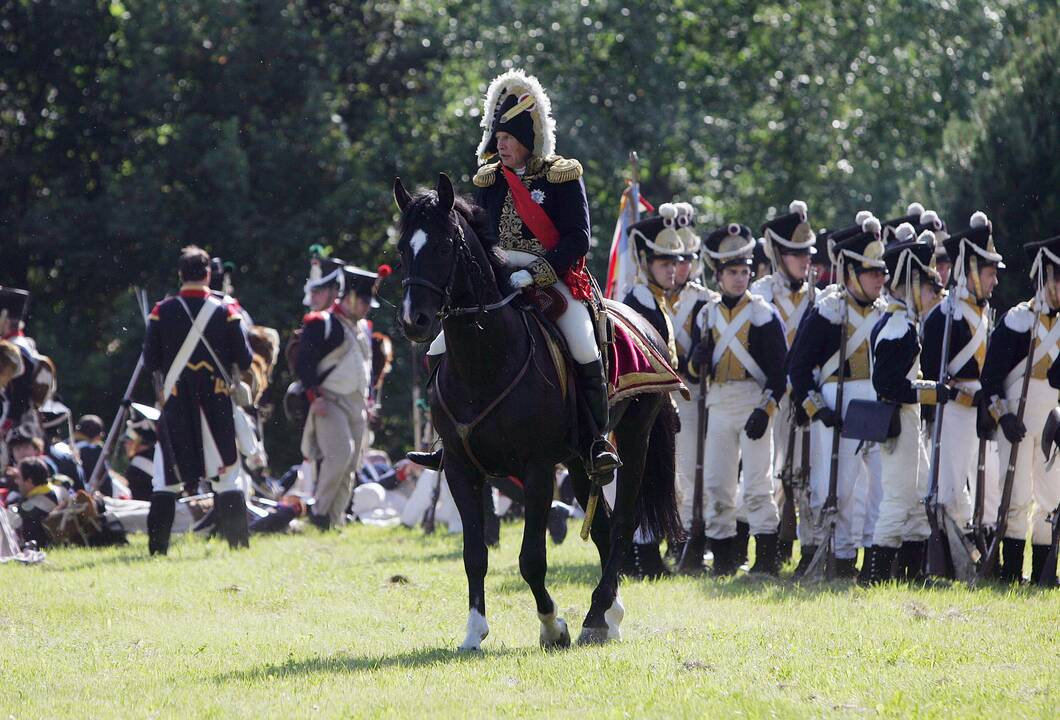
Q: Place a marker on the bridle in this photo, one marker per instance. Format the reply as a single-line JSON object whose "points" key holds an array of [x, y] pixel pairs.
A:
{"points": [[460, 250]]}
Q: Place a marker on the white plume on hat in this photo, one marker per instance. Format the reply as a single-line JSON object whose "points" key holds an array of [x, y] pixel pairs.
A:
{"points": [[517, 82]]}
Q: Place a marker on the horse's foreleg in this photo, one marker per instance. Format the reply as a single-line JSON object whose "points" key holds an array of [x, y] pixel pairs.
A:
{"points": [[466, 488], [533, 564], [600, 530], [632, 433]]}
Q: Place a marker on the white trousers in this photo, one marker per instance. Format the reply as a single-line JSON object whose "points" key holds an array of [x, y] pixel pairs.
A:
{"points": [[858, 482], [337, 441], [575, 323], [730, 404], [958, 452], [902, 516], [1035, 489], [686, 452]]}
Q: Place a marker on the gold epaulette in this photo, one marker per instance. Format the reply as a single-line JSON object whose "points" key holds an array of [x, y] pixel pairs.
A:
{"points": [[486, 174], [561, 170]]}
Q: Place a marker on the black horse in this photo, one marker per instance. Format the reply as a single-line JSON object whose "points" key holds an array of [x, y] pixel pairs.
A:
{"points": [[497, 405]]}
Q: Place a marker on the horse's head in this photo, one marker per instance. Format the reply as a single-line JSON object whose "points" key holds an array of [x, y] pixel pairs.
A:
{"points": [[437, 245]]}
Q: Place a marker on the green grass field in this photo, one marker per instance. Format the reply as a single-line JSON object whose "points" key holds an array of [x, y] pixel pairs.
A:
{"points": [[318, 625]]}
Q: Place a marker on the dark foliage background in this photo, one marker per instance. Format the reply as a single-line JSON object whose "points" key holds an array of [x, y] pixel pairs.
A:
{"points": [[254, 129]]}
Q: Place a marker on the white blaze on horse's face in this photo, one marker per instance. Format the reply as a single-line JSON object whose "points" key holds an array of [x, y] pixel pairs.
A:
{"points": [[417, 241]]}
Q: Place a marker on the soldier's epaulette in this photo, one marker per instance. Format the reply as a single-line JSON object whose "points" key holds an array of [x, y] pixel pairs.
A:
{"points": [[313, 317], [486, 174], [561, 169]]}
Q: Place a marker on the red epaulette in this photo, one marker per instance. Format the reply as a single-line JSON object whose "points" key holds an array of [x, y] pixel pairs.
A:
{"points": [[234, 310], [314, 316], [155, 309]]}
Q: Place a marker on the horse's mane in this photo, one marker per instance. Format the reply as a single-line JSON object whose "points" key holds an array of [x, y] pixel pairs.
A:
{"points": [[476, 218]]}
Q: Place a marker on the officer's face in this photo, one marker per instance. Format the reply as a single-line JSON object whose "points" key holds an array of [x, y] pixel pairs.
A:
{"points": [[987, 280], [735, 279], [796, 266], [513, 153], [664, 272]]}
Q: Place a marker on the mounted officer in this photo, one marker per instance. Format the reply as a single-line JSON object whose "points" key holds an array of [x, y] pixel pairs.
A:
{"points": [[539, 215], [195, 341]]}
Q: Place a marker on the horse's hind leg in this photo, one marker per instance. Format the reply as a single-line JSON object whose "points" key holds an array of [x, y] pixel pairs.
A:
{"points": [[533, 564], [466, 487], [632, 433]]}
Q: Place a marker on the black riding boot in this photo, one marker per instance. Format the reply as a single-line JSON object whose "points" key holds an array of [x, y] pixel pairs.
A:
{"points": [[430, 460], [876, 566], [767, 555], [1039, 553], [603, 458], [724, 550], [743, 536], [805, 558], [1012, 560], [231, 508], [911, 560], [160, 522]]}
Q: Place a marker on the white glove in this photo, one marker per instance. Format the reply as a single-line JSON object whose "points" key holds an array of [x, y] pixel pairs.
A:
{"points": [[521, 279]]}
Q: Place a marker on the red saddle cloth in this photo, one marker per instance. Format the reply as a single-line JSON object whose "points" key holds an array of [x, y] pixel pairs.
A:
{"points": [[636, 366]]}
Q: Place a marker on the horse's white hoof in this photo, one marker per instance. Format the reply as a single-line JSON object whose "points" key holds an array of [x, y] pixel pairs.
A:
{"points": [[477, 630], [593, 636], [554, 632], [613, 616]]}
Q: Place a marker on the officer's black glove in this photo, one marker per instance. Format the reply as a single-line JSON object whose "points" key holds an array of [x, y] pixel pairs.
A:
{"points": [[756, 424], [701, 357], [801, 418], [1013, 428], [827, 417]]}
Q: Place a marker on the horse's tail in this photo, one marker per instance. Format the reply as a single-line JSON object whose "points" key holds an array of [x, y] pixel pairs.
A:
{"points": [[656, 509]]}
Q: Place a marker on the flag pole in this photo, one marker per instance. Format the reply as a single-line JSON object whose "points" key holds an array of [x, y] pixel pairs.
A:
{"points": [[634, 194]]}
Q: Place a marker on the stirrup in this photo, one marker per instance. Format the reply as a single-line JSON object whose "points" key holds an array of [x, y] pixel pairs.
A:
{"points": [[429, 460], [603, 458]]}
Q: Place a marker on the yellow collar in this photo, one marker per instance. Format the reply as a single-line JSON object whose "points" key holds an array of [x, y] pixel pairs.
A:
{"points": [[40, 490]]}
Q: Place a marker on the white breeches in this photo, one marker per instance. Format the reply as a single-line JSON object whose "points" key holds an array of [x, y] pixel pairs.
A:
{"points": [[858, 482], [958, 452], [686, 451], [902, 516], [575, 323], [727, 444], [1035, 489]]}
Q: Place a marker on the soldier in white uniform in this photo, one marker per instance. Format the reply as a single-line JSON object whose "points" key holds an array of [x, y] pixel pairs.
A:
{"points": [[813, 370], [738, 339], [902, 523], [790, 245], [1032, 323], [334, 366]]}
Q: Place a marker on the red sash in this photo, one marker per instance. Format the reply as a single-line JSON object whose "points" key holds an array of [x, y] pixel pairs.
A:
{"points": [[542, 227]]}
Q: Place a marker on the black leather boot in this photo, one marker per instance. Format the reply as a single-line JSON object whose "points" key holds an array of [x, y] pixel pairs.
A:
{"points": [[805, 558], [846, 568], [724, 550], [430, 460], [767, 555], [785, 549], [910, 565], [160, 522], [1039, 553], [743, 536], [876, 565], [1012, 560], [231, 509], [592, 385]]}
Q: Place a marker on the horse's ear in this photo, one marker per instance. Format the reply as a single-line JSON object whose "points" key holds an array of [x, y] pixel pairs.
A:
{"points": [[401, 195], [446, 196]]}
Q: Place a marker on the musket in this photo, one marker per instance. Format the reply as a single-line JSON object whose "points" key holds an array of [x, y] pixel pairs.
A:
{"points": [[691, 562], [978, 529], [989, 562], [1048, 576], [801, 479], [823, 563], [92, 483], [788, 521]]}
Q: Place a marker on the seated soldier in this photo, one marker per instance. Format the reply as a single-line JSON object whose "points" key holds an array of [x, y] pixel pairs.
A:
{"points": [[139, 446], [89, 436], [39, 498]]}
